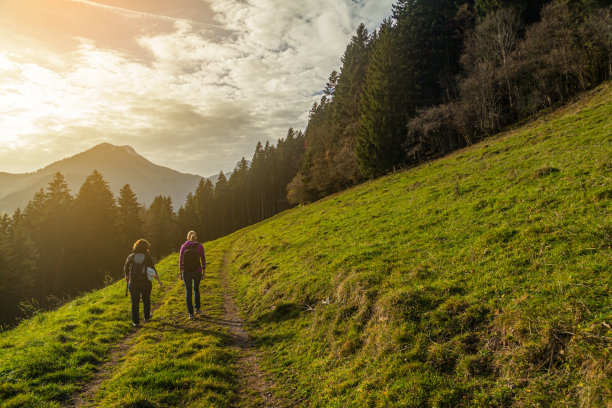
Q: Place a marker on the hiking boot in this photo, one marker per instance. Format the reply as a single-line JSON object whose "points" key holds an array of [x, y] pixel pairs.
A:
{"points": [[136, 324], [148, 319], [198, 311], [191, 317]]}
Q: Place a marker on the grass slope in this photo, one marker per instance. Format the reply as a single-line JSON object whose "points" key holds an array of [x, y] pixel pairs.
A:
{"points": [[481, 279], [170, 362], [176, 362], [44, 359]]}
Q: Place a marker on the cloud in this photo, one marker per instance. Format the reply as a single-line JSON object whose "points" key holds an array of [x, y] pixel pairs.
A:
{"points": [[199, 99]]}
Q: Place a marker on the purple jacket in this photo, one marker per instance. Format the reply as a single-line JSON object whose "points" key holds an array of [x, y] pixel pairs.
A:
{"points": [[191, 244]]}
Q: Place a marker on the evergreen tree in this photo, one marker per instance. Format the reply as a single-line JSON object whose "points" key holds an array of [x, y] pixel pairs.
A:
{"points": [[129, 217], [203, 202], [98, 240], [161, 228], [382, 110], [23, 260], [221, 204], [9, 282], [56, 227], [529, 9]]}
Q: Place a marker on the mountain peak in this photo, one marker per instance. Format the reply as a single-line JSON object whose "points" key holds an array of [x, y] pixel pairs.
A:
{"points": [[109, 146], [119, 165]]}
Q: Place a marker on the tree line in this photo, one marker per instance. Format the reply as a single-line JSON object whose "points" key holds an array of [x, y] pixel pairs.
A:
{"points": [[436, 76], [62, 244], [443, 74]]}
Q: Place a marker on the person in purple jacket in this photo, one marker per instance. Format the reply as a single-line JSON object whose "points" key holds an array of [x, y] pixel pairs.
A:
{"points": [[192, 263]]}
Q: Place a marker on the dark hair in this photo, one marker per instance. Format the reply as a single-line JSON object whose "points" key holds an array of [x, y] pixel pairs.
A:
{"points": [[142, 246]]}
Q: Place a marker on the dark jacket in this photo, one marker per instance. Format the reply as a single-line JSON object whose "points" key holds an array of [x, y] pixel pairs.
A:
{"points": [[148, 262], [200, 248]]}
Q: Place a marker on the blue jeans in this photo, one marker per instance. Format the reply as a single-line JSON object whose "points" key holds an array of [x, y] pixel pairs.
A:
{"points": [[138, 289], [192, 290]]}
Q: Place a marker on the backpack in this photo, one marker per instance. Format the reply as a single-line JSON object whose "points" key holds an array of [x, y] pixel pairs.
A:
{"points": [[191, 259], [138, 270]]}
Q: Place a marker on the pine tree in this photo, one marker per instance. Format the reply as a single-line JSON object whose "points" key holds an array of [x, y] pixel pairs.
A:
{"points": [[382, 110], [257, 180], [97, 232], [529, 9], [221, 204], [161, 227], [23, 259], [129, 220], [203, 201], [9, 279], [50, 216], [350, 82]]}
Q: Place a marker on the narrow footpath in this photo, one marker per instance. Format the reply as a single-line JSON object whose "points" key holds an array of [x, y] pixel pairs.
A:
{"points": [[86, 396], [252, 387]]}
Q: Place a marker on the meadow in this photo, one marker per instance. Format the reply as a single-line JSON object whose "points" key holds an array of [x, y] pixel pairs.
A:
{"points": [[481, 279]]}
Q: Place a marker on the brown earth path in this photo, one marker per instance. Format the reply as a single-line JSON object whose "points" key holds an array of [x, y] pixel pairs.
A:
{"points": [[254, 389], [89, 389]]}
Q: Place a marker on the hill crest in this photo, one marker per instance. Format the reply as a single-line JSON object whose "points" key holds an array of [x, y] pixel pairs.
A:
{"points": [[119, 165]]}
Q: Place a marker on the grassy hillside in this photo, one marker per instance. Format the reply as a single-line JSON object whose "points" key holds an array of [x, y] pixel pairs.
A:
{"points": [[481, 279], [43, 360], [478, 280], [49, 359]]}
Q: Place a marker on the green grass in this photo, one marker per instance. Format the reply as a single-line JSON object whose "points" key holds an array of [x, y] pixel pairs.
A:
{"points": [[45, 358], [170, 362], [176, 362], [478, 280], [481, 279]]}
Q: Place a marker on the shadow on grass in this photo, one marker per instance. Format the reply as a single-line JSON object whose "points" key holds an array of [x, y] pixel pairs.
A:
{"points": [[140, 404], [282, 312], [186, 329], [271, 339]]}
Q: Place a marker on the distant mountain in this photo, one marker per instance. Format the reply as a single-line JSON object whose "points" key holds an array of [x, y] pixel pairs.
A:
{"points": [[119, 165]]}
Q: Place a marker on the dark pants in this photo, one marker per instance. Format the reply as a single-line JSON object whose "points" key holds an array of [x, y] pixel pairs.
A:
{"points": [[192, 290], [138, 289]]}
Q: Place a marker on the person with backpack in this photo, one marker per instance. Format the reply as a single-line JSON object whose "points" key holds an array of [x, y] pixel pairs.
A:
{"points": [[192, 263], [139, 285]]}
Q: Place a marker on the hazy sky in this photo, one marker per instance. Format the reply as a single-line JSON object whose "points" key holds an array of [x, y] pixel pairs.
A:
{"points": [[190, 84]]}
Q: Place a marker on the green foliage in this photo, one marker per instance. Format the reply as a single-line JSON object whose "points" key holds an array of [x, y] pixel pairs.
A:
{"points": [[382, 110], [129, 218]]}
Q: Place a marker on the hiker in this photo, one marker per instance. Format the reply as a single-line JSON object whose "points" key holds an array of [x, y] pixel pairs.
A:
{"points": [[139, 283], [192, 263]]}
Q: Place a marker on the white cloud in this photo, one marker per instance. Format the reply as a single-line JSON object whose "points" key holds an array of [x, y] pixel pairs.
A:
{"points": [[204, 98]]}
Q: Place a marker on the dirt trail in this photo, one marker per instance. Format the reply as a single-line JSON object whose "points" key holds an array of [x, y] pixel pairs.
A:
{"points": [[253, 387], [88, 391]]}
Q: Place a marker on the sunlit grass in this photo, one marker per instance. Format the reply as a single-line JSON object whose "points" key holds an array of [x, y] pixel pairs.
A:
{"points": [[481, 279], [176, 362], [44, 360]]}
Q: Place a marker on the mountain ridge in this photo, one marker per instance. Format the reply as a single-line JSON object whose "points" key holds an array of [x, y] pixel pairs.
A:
{"points": [[119, 165]]}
